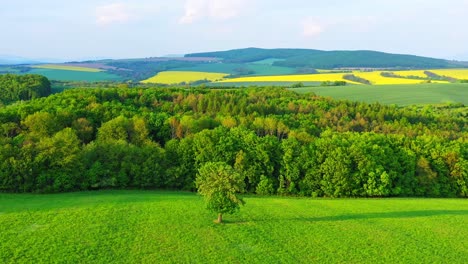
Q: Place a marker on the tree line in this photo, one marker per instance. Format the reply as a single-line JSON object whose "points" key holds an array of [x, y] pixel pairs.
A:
{"points": [[22, 87], [280, 142]]}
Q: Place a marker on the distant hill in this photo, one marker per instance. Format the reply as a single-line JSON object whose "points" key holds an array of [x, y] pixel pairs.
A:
{"points": [[297, 58], [234, 63]]}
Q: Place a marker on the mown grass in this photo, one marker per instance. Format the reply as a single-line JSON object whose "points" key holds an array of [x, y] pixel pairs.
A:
{"points": [[172, 227], [396, 94], [67, 75]]}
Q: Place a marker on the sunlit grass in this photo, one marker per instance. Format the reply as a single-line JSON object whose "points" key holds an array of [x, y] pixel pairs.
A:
{"points": [[401, 94], [172, 227]]}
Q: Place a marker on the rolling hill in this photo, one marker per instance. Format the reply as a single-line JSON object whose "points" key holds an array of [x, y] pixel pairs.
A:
{"points": [[237, 63], [330, 59]]}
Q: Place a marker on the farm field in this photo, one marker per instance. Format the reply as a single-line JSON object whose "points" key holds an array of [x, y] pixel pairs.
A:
{"points": [[259, 84], [175, 77], [454, 73], [290, 78], [259, 68], [174, 227], [269, 61], [395, 94], [8, 69], [66, 67], [73, 75], [376, 79], [265, 73]]}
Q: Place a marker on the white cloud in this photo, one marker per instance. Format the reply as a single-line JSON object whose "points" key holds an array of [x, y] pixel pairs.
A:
{"points": [[113, 13], [312, 28], [195, 10]]}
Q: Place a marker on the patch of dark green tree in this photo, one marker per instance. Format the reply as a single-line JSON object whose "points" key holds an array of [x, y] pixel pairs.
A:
{"points": [[23, 87]]}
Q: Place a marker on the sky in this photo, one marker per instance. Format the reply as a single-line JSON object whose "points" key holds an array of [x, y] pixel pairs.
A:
{"points": [[89, 29]]}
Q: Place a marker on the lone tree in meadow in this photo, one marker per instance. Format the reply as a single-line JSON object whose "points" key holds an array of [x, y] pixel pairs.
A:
{"points": [[220, 184]]}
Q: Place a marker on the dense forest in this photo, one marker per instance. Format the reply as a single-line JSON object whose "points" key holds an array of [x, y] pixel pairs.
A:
{"points": [[22, 87], [319, 59], [281, 142]]}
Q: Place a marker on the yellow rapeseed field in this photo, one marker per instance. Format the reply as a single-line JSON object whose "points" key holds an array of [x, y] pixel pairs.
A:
{"points": [[66, 68], [461, 74], [419, 73], [176, 77], [292, 78], [374, 77], [377, 79]]}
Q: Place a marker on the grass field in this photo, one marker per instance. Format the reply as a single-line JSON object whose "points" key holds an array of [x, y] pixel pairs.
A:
{"points": [[230, 68], [170, 227], [66, 67], [175, 77], [396, 94], [8, 69], [249, 84], [66, 75], [269, 61]]}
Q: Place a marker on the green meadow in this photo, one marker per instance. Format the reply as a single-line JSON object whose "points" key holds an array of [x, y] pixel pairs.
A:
{"points": [[173, 227], [231, 68], [73, 75], [407, 94], [259, 84]]}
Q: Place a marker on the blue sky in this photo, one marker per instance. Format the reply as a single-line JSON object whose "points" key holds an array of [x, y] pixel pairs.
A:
{"points": [[141, 28]]}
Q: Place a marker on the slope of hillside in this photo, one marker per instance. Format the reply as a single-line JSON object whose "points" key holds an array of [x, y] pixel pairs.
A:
{"points": [[330, 59]]}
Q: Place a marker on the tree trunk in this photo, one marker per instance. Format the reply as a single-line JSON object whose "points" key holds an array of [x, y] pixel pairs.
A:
{"points": [[220, 219]]}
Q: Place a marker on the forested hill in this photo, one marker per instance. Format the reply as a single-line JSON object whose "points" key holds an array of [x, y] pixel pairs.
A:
{"points": [[330, 59]]}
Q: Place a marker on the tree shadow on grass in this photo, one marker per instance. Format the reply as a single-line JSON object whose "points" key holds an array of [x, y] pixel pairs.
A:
{"points": [[350, 217], [385, 215]]}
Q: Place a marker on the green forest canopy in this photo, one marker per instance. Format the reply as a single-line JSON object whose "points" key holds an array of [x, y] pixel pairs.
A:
{"points": [[23, 87], [279, 141]]}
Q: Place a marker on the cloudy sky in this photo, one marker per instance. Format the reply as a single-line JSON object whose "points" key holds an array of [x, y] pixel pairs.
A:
{"points": [[83, 29]]}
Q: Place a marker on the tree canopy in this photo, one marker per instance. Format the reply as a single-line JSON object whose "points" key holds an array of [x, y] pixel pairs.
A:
{"points": [[280, 142], [220, 185], [23, 87]]}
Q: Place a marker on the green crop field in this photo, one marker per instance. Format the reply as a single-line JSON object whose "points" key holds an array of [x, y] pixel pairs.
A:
{"points": [[259, 69], [73, 75], [174, 227], [396, 94], [267, 61], [8, 69], [250, 84]]}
